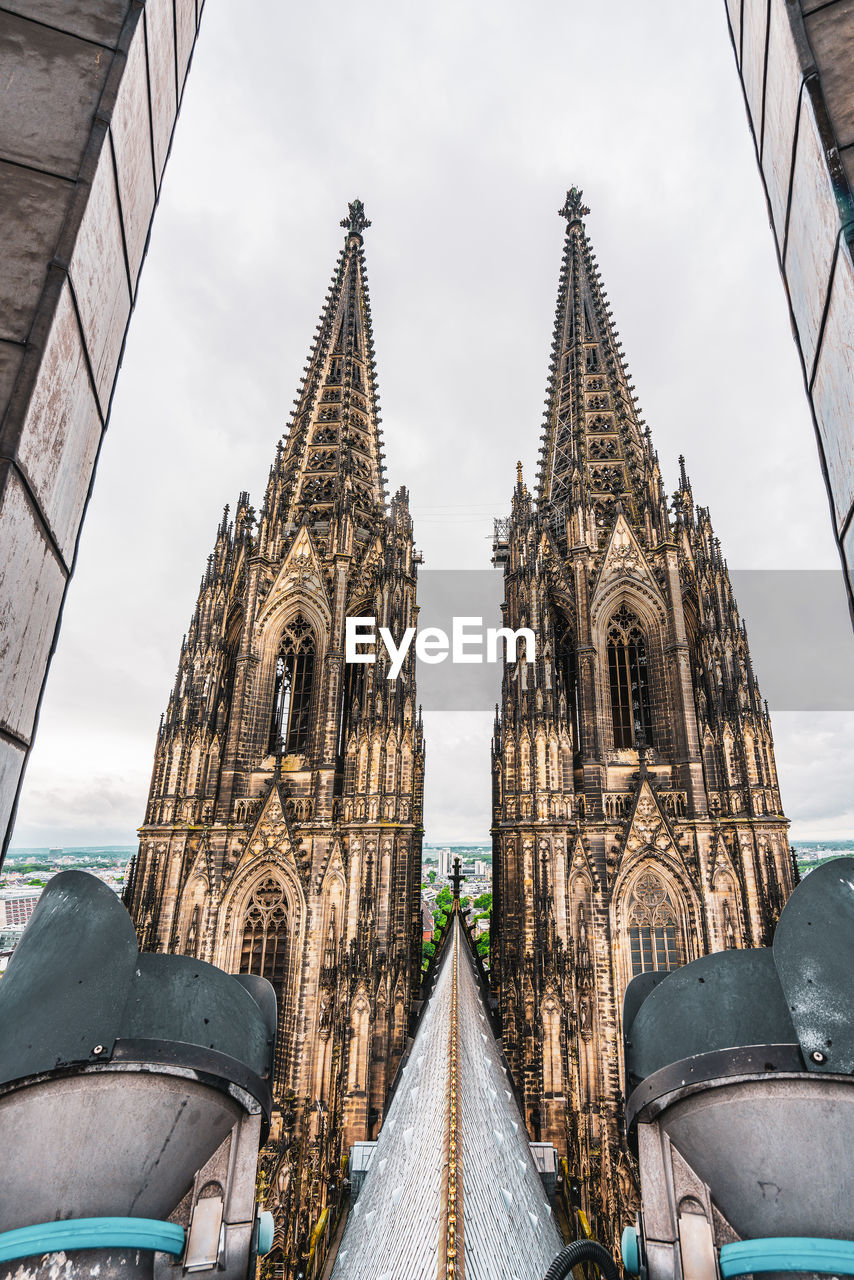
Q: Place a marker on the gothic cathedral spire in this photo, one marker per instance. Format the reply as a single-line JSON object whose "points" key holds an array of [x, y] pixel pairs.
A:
{"points": [[282, 835], [332, 459], [636, 814], [595, 449]]}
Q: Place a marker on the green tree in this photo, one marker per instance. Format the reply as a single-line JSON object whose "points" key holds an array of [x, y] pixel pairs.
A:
{"points": [[431, 876], [428, 950], [444, 897], [483, 902], [482, 945]]}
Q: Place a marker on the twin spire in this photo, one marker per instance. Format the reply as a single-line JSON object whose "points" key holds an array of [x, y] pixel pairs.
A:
{"points": [[595, 449], [333, 456]]}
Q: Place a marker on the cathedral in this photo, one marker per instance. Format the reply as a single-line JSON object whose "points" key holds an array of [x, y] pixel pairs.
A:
{"points": [[283, 830], [636, 813], [637, 821]]}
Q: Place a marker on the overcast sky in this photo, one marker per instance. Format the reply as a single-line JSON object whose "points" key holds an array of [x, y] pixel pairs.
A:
{"points": [[460, 126]]}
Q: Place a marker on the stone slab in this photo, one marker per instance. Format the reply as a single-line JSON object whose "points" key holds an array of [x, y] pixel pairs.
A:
{"points": [[32, 207], [99, 20], [11, 356], [831, 34], [31, 587], [185, 35], [782, 89], [39, 65], [160, 40], [100, 279], [754, 24], [813, 225], [12, 761], [61, 429], [130, 130], [833, 389], [734, 12]]}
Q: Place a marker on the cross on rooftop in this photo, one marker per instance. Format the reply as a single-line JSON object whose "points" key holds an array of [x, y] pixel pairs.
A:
{"points": [[456, 878]]}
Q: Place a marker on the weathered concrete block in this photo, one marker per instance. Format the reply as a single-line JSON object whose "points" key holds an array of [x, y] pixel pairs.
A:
{"points": [[782, 92], [100, 280], [130, 129], [33, 210], [31, 587], [62, 429], [99, 20], [37, 66], [813, 225], [753, 58], [833, 390], [12, 760], [160, 40]]}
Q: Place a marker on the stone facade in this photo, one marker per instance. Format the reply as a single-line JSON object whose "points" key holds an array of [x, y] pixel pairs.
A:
{"points": [[283, 830], [637, 820], [90, 99]]}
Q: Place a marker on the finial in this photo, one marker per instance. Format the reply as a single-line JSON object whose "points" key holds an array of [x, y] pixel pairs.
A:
{"points": [[519, 472], [357, 222], [456, 878], [574, 208]]}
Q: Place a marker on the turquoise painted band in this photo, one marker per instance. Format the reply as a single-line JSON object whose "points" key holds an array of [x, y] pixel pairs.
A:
{"points": [[787, 1253], [91, 1233]]}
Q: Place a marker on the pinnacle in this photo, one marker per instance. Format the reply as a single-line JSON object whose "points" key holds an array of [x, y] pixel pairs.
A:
{"points": [[596, 447], [574, 208], [356, 222]]}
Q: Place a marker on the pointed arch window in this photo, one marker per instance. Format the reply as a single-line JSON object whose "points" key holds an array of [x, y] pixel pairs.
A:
{"points": [[290, 725], [265, 934], [628, 672], [351, 704], [653, 927], [191, 948], [568, 669]]}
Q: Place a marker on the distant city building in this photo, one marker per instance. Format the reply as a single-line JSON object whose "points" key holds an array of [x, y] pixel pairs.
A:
{"points": [[446, 862], [427, 925], [481, 868], [796, 67], [16, 909]]}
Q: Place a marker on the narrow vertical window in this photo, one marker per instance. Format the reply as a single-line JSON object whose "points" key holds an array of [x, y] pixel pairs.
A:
{"points": [[628, 674], [191, 948], [290, 726], [567, 668], [351, 703]]}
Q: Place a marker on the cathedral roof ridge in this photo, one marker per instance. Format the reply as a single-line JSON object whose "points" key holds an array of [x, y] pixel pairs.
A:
{"points": [[453, 1132]]}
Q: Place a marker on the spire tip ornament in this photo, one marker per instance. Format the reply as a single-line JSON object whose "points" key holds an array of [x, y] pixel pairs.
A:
{"points": [[574, 208], [356, 222]]}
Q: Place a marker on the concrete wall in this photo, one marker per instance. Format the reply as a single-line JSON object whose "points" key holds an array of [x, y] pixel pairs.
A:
{"points": [[89, 94], [796, 63]]}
